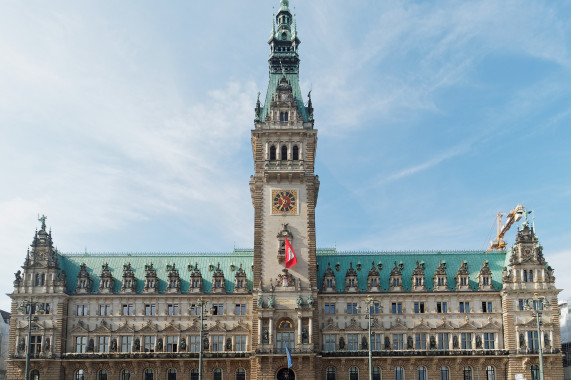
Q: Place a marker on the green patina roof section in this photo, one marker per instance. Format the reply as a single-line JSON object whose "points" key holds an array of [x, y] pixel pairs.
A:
{"points": [[275, 79], [475, 259], [71, 263]]}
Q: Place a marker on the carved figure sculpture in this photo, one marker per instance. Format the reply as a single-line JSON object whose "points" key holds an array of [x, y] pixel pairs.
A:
{"points": [[228, 344], [114, 345], [342, 343], [260, 302], [521, 340], [47, 344], [455, 341], [299, 301], [18, 276], [91, 346], [478, 341], [21, 346], [364, 343], [160, 344], [304, 336], [409, 342], [266, 337], [205, 344], [271, 302], [432, 342], [387, 343], [310, 301], [137, 345]]}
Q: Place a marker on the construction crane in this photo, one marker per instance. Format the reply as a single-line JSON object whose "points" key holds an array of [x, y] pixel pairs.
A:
{"points": [[511, 217]]}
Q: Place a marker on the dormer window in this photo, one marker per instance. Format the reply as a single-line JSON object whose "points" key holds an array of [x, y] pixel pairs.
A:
{"points": [[329, 280], [174, 280], [439, 280], [295, 153], [240, 281], [373, 281], [462, 277], [83, 280], [195, 280], [418, 277], [106, 281], [218, 283], [485, 277], [395, 279], [351, 282], [151, 282]]}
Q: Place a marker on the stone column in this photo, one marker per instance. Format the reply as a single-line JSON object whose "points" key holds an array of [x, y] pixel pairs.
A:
{"points": [[271, 332], [310, 330], [299, 326], [260, 330]]}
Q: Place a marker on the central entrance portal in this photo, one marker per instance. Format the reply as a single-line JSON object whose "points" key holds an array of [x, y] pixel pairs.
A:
{"points": [[285, 374]]}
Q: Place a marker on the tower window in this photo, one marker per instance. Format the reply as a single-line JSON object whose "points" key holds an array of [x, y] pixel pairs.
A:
{"points": [[284, 116], [284, 35], [295, 153], [284, 152], [272, 153]]}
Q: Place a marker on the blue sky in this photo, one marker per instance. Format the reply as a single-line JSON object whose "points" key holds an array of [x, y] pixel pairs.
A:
{"points": [[128, 124]]}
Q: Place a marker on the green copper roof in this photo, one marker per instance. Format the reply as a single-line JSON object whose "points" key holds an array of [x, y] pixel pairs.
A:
{"points": [[342, 260], [275, 79], [207, 263]]}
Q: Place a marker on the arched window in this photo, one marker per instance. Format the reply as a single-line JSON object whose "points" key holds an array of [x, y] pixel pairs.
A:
{"points": [[102, 375], [37, 279], [399, 373], [490, 373], [125, 374], [194, 374], [285, 336], [467, 373], [80, 375], [534, 372], [171, 374], [273, 153], [241, 374], [35, 375], [376, 373], [148, 374], [217, 374], [330, 374], [295, 153], [444, 373], [284, 153], [421, 373], [353, 373]]}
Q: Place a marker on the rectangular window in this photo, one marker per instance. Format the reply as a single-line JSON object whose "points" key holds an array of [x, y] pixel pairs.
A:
{"points": [[398, 341], [537, 305], [172, 309], [80, 344], [104, 310], [396, 308], [194, 345], [464, 307], [376, 341], [217, 343], [420, 341], [240, 309], [486, 307], [329, 308], [128, 309], [240, 343], [218, 309], [150, 309], [149, 343], [195, 309], [466, 341], [47, 308], [532, 340], [103, 344], [126, 343], [81, 310], [352, 342], [375, 308], [172, 343], [329, 342], [36, 344], [419, 307], [442, 307], [489, 341], [443, 341], [521, 304], [351, 308]]}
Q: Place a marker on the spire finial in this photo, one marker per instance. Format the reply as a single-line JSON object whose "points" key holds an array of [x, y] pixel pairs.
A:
{"points": [[43, 220]]}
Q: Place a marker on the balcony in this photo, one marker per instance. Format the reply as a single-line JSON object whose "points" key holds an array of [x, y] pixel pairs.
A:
{"points": [[377, 353], [156, 355]]}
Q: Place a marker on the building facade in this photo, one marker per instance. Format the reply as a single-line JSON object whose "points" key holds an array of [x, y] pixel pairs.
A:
{"points": [[433, 315], [4, 336], [565, 324]]}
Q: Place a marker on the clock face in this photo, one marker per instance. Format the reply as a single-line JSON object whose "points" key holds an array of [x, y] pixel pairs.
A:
{"points": [[284, 201]]}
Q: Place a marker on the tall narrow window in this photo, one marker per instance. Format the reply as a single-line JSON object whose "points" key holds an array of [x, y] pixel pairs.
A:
{"points": [[241, 374], [376, 373], [399, 373], [284, 153], [330, 373], [444, 373], [534, 372], [353, 373], [217, 374], [80, 374], [194, 374], [148, 374], [102, 375], [272, 153], [490, 373], [421, 373], [125, 374], [467, 373], [171, 374], [295, 153], [35, 375]]}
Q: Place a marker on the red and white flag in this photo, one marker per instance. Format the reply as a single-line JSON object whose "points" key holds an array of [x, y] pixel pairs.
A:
{"points": [[290, 259]]}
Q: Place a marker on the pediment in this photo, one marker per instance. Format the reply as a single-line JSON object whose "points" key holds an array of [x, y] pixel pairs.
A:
{"points": [[217, 328], [102, 328], [445, 326], [332, 327], [240, 328], [398, 326], [353, 326], [490, 326], [125, 329], [195, 327], [376, 325], [78, 329], [171, 328], [422, 326], [149, 328], [468, 326]]}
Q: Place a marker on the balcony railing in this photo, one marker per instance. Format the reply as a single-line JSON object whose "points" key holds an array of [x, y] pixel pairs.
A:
{"points": [[346, 353], [156, 355]]}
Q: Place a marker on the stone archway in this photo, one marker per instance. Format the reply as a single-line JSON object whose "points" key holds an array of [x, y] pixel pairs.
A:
{"points": [[285, 374]]}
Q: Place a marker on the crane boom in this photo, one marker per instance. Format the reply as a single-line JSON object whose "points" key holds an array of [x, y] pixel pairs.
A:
{"points": [[511, 217]]}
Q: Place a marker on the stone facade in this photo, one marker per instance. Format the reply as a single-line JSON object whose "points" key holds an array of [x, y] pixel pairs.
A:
{"points": [[4, 336], [432, 315]]}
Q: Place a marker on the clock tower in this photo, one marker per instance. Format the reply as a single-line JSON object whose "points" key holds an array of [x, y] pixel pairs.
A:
{"points": [[284, 187]]}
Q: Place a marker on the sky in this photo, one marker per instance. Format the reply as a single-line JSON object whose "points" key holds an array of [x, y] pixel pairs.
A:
{"points": [[128, 123]]}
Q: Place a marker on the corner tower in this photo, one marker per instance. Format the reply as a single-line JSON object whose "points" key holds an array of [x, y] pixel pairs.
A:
{"points": [[284, 187]]}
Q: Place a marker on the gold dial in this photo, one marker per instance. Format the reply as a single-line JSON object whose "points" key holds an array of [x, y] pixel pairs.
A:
{"points": [[284, 201]]}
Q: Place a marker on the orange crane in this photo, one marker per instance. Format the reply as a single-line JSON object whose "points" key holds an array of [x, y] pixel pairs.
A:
{"points": [[511, 217]]}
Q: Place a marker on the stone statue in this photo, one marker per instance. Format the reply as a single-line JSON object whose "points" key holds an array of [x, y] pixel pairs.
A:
{"points": [[304, 336], [521, 340], [341, 343], [260, 302], [299, 301], [21, 346], [182, 347], [137, 345], [114, 345], [409, 343], [455, 341], [228, 344], [310, 301], [478, 341], [160, 344], [18, 276], [364, 344], [432, 342], [271, 302], [387, 343], [546, 340], [47, 344], [91, 346], [205, 344], [266, 337]]}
